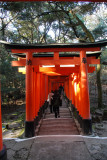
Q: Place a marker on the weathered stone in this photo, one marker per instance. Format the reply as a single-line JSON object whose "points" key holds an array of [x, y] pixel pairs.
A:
{"points": [[21, 154], [12, 117], [9, 143], [97, 148], [96, 118], [99, 112], [14, 125], [59, 148], [105, 115], [99, 126], [10, 153], [7, 126]]}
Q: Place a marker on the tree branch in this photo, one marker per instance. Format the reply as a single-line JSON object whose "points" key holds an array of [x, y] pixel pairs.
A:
{"points": [[5, 25], [88, 33]]}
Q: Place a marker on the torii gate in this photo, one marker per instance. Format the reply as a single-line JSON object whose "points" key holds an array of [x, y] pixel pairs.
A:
{"points": [[39, 79], [77, 81]]}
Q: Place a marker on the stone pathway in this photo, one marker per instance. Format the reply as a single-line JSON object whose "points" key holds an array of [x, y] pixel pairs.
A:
{"points": [[64, 125], [55, 141], [63, 147]]}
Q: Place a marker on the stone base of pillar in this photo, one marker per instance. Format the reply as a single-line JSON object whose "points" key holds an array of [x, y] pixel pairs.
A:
{"points": [[36, 121], [3, 153], [29, 129], [46, 104], [80, 120], [73, 108], [87, 126], [78, 116], [75, 112]]}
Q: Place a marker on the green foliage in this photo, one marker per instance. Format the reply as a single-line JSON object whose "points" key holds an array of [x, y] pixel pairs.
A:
{"points": [[33, 21], [104, 56], [22, 117], [12, 82]]}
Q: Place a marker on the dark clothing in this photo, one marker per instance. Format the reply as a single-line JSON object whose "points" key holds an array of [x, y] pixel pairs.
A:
{"points": [[56, 103], [52, 101], [50, 97], [56, 112], [51, 108], [60, 104], [60, 89]]}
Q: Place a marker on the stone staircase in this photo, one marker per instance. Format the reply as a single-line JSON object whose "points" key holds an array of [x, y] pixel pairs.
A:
{"points": [[64, 125]]}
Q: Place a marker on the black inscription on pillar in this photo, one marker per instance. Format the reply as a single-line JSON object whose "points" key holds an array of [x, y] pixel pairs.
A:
{"points": [[84, 60], [28, 62]]}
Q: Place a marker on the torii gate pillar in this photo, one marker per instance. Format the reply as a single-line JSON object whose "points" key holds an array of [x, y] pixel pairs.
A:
{"points": [[29, 123], [3, 152], [85, 103]]}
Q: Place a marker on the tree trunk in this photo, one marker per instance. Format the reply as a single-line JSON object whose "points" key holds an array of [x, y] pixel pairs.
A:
{"points": [[99, 87], [88, 33], [3, 31]]}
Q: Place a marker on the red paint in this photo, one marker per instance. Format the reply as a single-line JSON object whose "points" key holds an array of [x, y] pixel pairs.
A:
{"points": [[34, 92], [55, 50], [79, 95], [51, 61], [49, 86], [73, 95], [79, 99], [43, 88], [75, 89], [46, 86], [85, 103], [56, 55], [37, 93], [29, 88], [1, 141], [78, 92], [70, 87]]}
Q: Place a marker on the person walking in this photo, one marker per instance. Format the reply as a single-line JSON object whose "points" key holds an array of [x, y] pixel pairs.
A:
{"points": [[50, 97], [56, 103]]}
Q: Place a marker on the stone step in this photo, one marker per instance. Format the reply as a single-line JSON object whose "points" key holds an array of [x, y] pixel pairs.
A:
{"points": [[62, 129], [58, 123], [64, 108], [60, 111], [63, 125], [58, 120], [61, 116], [58, 126], [75, 132]]}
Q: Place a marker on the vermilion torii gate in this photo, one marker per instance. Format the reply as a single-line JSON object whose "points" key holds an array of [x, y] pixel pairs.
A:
{"points": [[40, 80], [77, 82]]}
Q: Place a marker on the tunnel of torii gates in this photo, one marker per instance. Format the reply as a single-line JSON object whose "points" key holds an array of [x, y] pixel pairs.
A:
{"points": [[40, 81], [72, 63]]}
